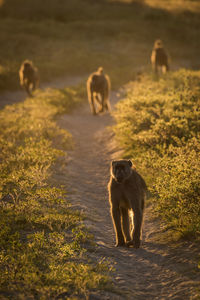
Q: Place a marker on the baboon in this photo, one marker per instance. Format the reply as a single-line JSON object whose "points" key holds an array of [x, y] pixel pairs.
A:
{"points": [[98, 89], [127, 192], [159, 57], [29, 78]]}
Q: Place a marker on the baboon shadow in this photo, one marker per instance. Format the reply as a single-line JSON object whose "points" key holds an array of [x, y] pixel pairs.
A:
{"points": [[165, 257]]}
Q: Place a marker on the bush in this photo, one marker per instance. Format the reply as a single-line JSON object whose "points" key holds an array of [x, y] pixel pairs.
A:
{"points": [[41, 254], [158, 125]]}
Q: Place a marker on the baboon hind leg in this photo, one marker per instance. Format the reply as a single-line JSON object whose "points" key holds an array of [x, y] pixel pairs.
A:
{"points": [[34, 85], [28, 88], [105, 102], [99, 101], [107, 105], [156, 68], [165, 68], [92, 105]]}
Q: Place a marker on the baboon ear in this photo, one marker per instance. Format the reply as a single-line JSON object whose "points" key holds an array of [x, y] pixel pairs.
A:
{"points": [[130, 163]]}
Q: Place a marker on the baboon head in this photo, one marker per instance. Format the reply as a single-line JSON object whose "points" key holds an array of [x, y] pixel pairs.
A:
{"points": [[158, 44], [100, 71], [121, 170], [28, 65]]}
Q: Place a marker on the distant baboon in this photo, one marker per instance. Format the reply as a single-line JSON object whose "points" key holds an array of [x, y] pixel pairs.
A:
{"points": [[28, 75], [98, 89], [159, 57], [127, 192]]}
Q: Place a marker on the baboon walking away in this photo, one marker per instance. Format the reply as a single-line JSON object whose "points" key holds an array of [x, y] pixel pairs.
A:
{"points": [[127, 192], [28, 75], [98, 89], [159, 57]]}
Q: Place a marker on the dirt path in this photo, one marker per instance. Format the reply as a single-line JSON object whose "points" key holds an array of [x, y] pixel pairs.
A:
{"points": [[154, 271], [7, 97]]}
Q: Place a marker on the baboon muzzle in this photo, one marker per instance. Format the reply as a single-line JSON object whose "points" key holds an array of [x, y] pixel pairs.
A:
{"points": [[120, 179]]}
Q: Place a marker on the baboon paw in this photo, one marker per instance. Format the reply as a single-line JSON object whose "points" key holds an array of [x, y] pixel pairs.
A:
{"points": [[129, 243], [136, 244], [133, 243], [120, 244]]}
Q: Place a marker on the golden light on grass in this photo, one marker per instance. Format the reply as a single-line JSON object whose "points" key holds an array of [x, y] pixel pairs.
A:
{"points": [[170, 5], [178, 5]]}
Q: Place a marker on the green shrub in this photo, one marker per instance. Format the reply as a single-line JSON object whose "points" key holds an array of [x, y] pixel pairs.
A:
{"points": [[42, 249], [158, 125]]}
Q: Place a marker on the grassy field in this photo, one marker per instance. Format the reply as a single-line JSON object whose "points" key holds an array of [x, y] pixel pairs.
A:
{"points": [[158, 125], [74, 37], [43, 242]]}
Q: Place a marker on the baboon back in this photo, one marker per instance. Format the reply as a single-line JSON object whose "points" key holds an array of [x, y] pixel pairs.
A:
{"points": [[98, 83], [98, 87], [28, 75], [161, 57]]}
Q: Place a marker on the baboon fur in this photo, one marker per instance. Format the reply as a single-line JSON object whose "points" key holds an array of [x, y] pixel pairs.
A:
{"points": [[127, 192], [98, 89], [29, 78], [159, 58]]}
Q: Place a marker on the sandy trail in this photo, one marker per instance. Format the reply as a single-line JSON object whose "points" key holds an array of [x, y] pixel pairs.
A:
{"points": [[154, 271]]}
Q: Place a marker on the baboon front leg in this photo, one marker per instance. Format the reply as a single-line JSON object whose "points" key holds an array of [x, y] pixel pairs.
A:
{"points": [[125, 224], [99, 101], [107, 105], [116, 217], [138, 216], [34, 85]]}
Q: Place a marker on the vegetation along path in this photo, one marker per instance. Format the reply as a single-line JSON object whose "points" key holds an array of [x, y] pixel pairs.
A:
{"points": [[156, 270]]}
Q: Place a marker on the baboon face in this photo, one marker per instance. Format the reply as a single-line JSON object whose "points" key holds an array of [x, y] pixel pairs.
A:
{"points": [[121, 170]]}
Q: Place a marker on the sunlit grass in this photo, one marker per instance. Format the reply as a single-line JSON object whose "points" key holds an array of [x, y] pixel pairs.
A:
{"points": [[171, 5], [158, 126], [42, 249], [79, 36], [178, 5]]}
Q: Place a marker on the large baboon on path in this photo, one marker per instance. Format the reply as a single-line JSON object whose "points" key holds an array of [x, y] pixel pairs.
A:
{"points": [[28, 75], [98, 89], [127, 191], [159, 57]]}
